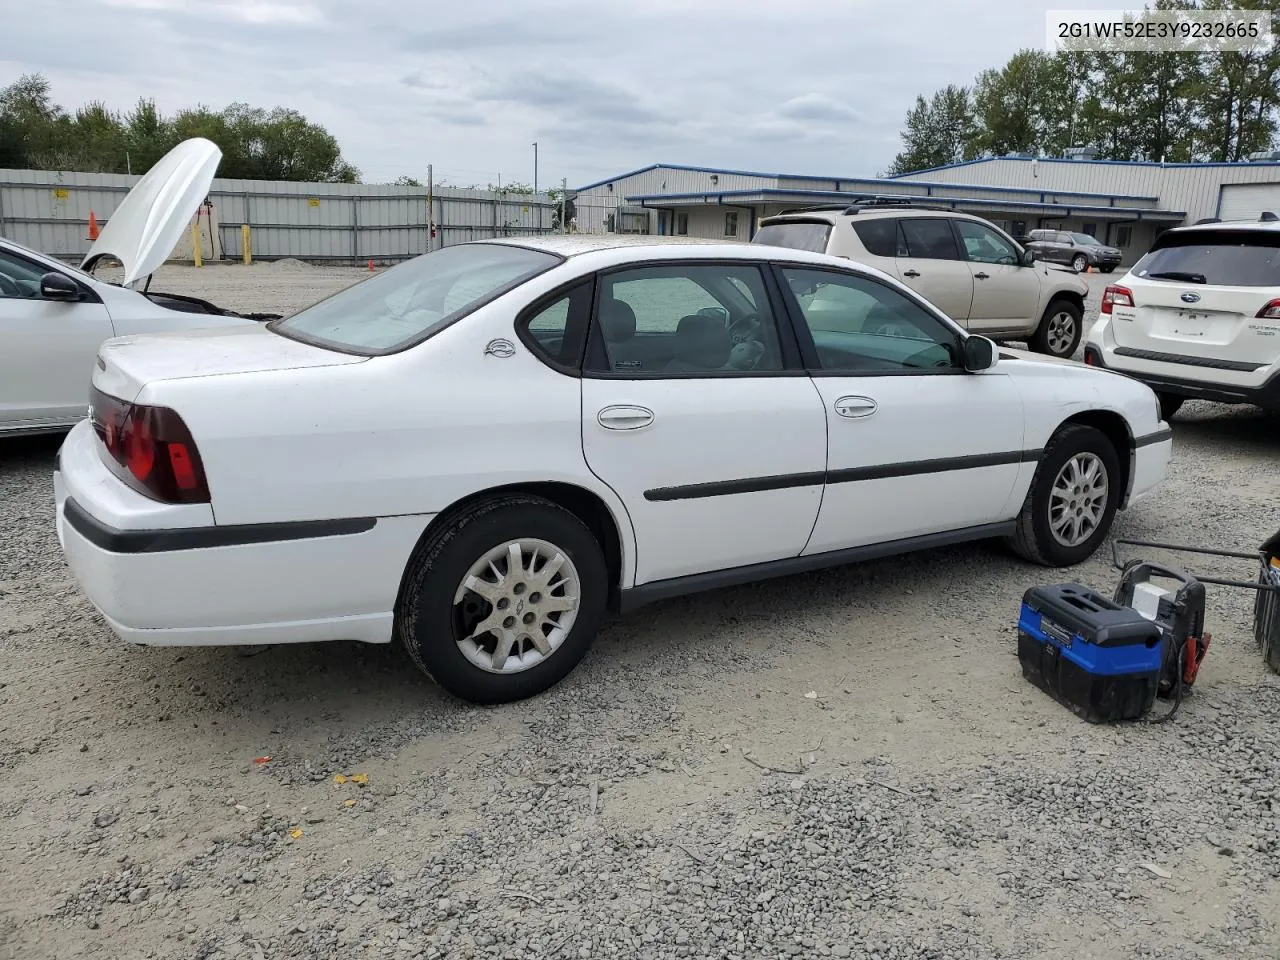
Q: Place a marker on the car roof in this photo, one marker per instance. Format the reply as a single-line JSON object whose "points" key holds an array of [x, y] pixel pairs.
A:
{"points": [[903, 210], [628, 248], [1261, 226]]}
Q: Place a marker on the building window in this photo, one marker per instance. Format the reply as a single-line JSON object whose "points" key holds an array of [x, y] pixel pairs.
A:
{"points": [[1091, 229], [609, 223], [1124, 236], [682, 224], [731, 224], [1019, 230]]}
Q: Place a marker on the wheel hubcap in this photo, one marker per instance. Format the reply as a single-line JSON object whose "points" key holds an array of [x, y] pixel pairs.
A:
{"points": [[1062, 331], [1078, 499], [516, 605]]}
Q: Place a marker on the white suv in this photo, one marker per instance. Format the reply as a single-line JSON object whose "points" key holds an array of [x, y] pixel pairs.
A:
{"points": [[968, 268], [1198, 316]]}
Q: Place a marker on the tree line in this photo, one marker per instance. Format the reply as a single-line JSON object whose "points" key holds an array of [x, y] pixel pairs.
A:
{"points": [[257, 144], [1145, 105]]}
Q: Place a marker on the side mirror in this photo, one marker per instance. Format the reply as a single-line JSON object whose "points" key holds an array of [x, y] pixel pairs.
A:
{"points": [[58, 286], [979, 354], [1029, 257]]}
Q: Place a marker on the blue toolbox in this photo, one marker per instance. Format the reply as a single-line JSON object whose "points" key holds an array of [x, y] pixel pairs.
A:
{"points": [[1095, 656]]}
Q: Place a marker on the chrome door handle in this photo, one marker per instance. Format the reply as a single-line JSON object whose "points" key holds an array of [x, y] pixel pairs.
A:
{"points": [[624, 417], [911, 273], [854, 408]]}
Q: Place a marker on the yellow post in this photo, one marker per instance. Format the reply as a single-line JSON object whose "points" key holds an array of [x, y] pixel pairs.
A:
{"points": [[244, 244], [195, 244]]}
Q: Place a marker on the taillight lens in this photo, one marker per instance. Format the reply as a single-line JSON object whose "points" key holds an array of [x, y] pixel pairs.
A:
{"points": [[1116, 296], [1270, 312], [150, 448]]}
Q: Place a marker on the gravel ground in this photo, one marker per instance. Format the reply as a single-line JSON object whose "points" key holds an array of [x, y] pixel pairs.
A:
{"points": [[846, 764]]}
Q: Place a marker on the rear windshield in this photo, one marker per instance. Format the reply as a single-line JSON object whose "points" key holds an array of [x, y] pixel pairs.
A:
{"points": [[808, 235], [409, 302], [1240, 258]]}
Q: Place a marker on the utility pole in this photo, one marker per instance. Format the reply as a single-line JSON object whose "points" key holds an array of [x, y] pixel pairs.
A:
{"points": [[564, 190], [535, 170], [431, 210]]}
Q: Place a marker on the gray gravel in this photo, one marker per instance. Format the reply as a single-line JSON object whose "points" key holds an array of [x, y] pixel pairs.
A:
{"points": [[678, 796]]}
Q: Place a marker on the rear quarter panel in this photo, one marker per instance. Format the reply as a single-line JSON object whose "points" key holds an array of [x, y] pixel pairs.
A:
{"points": [[408, 433]]}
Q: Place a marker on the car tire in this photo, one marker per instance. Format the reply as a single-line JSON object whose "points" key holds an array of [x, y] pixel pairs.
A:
{"points": [[438, 614], [1107, 269], [1060, 330], [1054, 514], [1170, 403], [1079, 262]]}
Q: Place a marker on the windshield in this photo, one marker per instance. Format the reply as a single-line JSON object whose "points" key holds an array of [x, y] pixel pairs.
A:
{"points": [[1085, 239], [1223, 258], [807, 235], [410, 302]]}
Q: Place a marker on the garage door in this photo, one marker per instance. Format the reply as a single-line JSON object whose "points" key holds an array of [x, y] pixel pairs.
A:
{"points": [[1245, 201]]}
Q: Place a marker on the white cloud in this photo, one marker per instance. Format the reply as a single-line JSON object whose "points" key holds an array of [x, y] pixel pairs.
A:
{"points": [[809, 86]]}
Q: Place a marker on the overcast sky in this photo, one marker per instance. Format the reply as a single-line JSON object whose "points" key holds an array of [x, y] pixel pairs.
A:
{"points": [[808, 86]]}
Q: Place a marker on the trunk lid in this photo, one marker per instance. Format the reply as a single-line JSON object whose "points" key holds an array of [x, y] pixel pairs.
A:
{"points": [[126, 364], [147, 225]]}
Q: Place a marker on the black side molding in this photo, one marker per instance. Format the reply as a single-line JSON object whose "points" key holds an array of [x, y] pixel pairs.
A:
{"points": [[1160, 436], [723, 488], [200, 538], [636, 597]]}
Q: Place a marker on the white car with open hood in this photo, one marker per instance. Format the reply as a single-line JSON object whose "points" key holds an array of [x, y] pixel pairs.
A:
{"points": [[53, 316], [483, 449]]}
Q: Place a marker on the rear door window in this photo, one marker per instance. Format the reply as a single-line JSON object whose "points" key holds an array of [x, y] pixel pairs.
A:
{"points": [[811, 235], [930, 239], [1229, 258], [882, 238]]}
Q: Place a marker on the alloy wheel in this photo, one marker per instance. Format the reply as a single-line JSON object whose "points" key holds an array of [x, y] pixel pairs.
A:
{"points": [[1078, 499], [1062, 332]]}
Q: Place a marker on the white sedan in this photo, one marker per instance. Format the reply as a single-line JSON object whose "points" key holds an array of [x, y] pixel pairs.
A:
{"points": [[484, 449]]}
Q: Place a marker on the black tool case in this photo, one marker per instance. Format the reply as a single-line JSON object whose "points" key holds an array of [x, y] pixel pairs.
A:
{"points": [[1088, 652]]}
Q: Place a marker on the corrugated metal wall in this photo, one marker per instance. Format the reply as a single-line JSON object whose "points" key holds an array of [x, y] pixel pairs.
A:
{"points": [[595, 206], [49, 211], [1191, 188]]}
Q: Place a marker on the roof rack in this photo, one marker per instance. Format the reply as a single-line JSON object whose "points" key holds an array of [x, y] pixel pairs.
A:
{"points": [[1204, 220], [859, 203]]}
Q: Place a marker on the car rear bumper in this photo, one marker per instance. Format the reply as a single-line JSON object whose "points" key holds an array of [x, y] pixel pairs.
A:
{"points": [[1173, 378], [218, 585]]}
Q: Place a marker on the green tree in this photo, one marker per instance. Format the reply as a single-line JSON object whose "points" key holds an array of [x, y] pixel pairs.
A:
{"points": [[276, 144], [938, 131], [1012, 104], [28, 118], [1241, 92]]}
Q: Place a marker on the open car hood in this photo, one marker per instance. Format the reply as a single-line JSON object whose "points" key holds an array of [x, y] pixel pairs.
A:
{"points": [[147, 225]]}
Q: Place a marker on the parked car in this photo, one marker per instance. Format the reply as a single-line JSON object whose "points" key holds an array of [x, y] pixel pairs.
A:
{"points": [[969, 268], [1198, 316], [53, 317], [482, 449], [1080, 250]]}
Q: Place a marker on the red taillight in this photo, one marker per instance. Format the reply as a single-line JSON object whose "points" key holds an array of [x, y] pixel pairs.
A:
{"points": [[150, 448], [1269, 312], [1116, 295], [1088, 359]]}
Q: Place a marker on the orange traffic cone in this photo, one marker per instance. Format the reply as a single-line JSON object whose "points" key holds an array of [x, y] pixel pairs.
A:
{"points": [[93, 226]]}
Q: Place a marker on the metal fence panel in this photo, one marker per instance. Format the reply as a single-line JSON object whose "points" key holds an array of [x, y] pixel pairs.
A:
{"points": [[49, 211]]}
